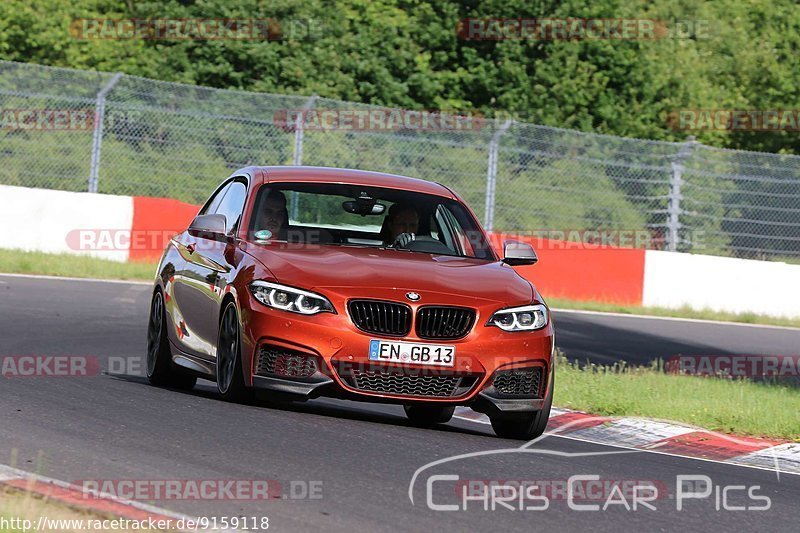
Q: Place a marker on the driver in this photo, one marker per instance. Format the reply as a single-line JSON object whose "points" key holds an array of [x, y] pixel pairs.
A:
{"points": [[400, 226]]}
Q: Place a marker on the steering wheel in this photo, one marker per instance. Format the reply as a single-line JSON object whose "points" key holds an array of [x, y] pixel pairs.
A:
{"points": [[403, 240], [421, 243]]}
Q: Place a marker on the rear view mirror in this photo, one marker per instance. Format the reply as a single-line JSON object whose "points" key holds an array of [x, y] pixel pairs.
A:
{"points": [[519, 253], [209, 224], [359, 207]]}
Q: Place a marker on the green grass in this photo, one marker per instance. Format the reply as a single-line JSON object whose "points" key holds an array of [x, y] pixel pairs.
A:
{"points": [[729, 406], [684, 312], [16, 262]]}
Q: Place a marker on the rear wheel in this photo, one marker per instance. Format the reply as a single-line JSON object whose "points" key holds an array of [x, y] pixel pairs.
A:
{"points": [[159, 359], [524, 426], [429, 415], [230, 379]]}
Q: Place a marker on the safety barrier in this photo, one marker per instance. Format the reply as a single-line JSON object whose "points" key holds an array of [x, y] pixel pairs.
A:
{"points": [[133, 228]]}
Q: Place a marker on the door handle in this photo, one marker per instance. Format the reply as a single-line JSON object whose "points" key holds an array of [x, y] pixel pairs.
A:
{"points": [[190, 248]]}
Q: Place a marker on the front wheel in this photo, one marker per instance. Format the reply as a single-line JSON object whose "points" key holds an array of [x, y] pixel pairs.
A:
{"points": [[524, 426], [429, 415], [160, 371], [230, 379]]}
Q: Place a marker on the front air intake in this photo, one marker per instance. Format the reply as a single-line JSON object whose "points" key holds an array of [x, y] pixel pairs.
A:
{"points": [[519, 383], [276, 361]]}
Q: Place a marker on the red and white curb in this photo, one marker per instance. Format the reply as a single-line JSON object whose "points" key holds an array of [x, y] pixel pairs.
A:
{"points": [[77, 497], [666, 438]]}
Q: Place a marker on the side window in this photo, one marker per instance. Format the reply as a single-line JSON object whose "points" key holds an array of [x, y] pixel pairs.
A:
{"points": [[443, 229], [213, 203], [232, 204], [454, 234]]}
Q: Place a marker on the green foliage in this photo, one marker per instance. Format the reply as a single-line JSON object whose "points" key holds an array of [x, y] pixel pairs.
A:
{"points": [[406, 53]]}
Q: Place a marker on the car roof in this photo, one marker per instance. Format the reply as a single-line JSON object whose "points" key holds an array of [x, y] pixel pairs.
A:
{"points": [[271, 174]]}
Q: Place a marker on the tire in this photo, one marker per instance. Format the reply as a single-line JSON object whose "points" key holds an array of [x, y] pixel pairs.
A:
{"points": [[524, 426], [159, 368], [230, 379], [429, 415]]}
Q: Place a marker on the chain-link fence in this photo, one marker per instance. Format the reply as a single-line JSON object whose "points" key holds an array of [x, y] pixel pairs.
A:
{"points": [[110, 133]]}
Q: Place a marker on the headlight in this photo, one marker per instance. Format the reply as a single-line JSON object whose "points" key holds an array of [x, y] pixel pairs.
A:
{"points": [[290, 299], [524, 318]]}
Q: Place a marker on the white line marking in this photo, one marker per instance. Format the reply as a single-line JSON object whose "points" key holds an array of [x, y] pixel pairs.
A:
{"points": [[7, 476], [632, 432], [465, 413], [65, 278], [671, 318]]}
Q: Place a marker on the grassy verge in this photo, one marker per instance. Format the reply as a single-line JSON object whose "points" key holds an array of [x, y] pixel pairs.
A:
{"points": [[728, 406], [17, 506], [16, 262], [684, 312]]}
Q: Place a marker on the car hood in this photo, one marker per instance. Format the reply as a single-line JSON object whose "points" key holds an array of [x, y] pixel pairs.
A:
{"points": [[336, 267]]}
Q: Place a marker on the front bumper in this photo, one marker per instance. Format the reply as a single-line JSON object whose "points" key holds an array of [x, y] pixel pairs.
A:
{"points": [[342, 367]]}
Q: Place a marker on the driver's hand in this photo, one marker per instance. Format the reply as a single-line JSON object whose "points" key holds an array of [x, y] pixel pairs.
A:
{"points": [[403, 240]]}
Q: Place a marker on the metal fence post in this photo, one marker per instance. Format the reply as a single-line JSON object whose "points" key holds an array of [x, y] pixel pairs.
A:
{"points": [[298, 131], [674, 207], [491, 175], [297, 159], [97, 135]]}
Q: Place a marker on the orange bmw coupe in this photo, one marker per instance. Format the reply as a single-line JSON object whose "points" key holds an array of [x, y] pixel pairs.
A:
{"points": [[306, 282]]}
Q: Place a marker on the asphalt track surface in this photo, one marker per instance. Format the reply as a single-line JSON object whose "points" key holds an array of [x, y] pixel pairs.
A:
{"points": [[606, 338], [117, 427]]}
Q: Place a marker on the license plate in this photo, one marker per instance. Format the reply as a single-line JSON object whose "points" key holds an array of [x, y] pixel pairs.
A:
{"points": [[409, 352]]}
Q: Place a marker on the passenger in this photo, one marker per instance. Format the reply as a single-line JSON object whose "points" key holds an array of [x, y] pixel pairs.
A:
{"points": [[400, 225]]}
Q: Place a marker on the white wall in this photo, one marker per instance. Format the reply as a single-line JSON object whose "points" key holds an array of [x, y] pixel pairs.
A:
{"points": [[673, 280], [43, 219]]}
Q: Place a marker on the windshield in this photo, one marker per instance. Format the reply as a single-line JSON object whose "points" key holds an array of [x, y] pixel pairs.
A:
{"points": [[356, 215]]}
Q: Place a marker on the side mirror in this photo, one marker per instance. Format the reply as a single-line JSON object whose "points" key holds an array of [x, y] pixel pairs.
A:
{"points": [[519, 253], [207, 225]]}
